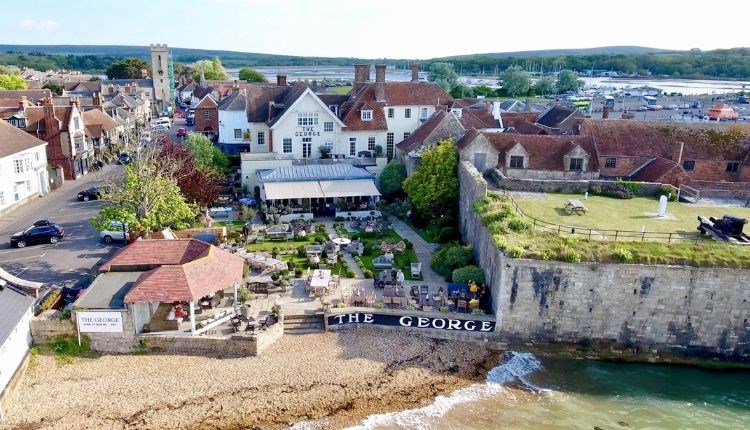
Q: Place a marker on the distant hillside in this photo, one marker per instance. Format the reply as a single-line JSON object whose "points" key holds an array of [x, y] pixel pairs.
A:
{"points": [[604, 50]]}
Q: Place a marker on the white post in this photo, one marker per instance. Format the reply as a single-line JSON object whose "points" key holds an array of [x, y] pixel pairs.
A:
{"points": [[236, 301], [192, 317]]}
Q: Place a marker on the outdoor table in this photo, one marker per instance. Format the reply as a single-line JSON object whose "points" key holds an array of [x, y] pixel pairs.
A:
{"points": [[320, 278], [575, 206]]}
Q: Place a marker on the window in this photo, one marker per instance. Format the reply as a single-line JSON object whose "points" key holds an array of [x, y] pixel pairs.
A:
{"points": [[423, 113], [18, 166], [406, 135], [28, 186], [287, 146], [576, 164], [36, 156], [516, 161], [334, 109], [353, 146], [306, 119], [206, 114], [306, 147], [389, 138], [610, 162], [407, 113], [733, 166], [2, 198], [457, 112], [391, 113], [329, 144], [76, 123], [328, 126], [238, 133], [366, 115], [688, 165], [261, 138], [371, 143], [27, 163]]}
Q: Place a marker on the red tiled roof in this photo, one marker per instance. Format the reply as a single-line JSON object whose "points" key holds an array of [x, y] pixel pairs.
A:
{"points": [[450, 128], [525, 127], [14, 140], [182, 269], [545, 152], [654, 170], [478, 118], [350, 111], [96, 117], [510, 119], [662, 139]]}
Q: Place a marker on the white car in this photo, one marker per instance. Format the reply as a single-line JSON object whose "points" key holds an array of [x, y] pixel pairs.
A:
{"points": [[116, 231], [162, 120]]}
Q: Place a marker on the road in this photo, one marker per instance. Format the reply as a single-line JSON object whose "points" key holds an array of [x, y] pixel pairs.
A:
{"points": [[73, 259]]}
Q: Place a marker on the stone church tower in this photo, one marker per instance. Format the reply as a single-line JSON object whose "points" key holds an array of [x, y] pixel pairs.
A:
{"points": [[160, 74]]}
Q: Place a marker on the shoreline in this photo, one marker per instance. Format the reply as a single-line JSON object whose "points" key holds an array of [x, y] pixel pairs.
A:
{"points": [[330, 380]]}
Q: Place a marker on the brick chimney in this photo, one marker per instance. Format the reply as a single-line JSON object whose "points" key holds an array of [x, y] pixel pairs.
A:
{"points": [[235, 87], [380, 82], [127, 88], [415, 72], [111, 88], [280, 80], [23, 102], [49, 110], [677, 152], [96, 100], [361, 76]]}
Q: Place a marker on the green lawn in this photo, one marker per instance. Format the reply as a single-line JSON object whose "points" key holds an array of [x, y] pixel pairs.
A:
{"points": [[606, 213], [373, 240], [268, 245]]}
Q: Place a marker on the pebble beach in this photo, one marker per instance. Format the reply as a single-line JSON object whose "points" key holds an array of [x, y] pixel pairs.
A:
{"points": [[325, 380]]}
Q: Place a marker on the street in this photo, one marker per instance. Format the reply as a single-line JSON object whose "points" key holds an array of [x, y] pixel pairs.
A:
{"points": [[69, 261]]}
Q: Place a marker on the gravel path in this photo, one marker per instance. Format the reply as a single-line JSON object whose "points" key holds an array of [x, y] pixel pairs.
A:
{"points": [[333, 379]]}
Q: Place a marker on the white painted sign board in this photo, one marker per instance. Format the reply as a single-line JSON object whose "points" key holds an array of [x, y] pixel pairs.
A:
{"points": [[99, 322]]}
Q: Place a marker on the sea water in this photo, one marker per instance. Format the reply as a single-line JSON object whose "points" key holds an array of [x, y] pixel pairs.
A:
{"points": [[528, 393]]}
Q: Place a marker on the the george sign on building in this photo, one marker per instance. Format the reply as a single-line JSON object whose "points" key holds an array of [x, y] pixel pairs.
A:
{"points": [[99, 322], [412, 321]]}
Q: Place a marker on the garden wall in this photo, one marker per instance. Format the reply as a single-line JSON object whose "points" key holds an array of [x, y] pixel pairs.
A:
{"points": [[569, 186], [643, 312]]}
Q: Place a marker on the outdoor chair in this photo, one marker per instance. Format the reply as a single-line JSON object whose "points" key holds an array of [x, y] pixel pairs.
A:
{"points": [[424, 290], [414, 292]]}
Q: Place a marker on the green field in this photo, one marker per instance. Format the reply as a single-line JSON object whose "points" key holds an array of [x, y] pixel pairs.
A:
{"points": [[606, 213]]}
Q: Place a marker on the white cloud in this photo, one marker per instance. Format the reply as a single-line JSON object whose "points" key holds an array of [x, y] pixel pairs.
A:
{"points": [[38, 24]]}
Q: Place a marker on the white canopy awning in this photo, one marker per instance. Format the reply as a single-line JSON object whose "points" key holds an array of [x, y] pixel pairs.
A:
{"points": [[293, 190], [350, 188]]}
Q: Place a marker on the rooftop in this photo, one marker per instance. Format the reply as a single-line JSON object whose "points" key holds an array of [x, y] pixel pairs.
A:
{"points": [[13, 305], [318, 172], [108, 290]]}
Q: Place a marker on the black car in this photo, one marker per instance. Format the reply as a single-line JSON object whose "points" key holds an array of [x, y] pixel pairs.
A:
{"points": [[124, 158], [92, 193], [37, 234]]}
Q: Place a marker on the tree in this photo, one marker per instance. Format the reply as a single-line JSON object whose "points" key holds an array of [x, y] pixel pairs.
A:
{"points": [[129, 68], [145, 197], [515, 81], [198, 186], [12, 82], [183, 71], [443, 75], [434, 185], [56, 89], [205, 155], [212, 70], [250, 75], [567, 81], [392, 178], [483, 90], [451, 257], [545, 85], [460, 91]]}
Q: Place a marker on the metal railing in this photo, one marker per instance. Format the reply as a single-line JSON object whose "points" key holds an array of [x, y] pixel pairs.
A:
{"points": [[604, 235]]}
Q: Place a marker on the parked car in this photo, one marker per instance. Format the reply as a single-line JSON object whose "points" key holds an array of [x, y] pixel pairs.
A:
{"points": [[160, 127], [116, 231], [181, 131], [93, 193], [37, 234], [190, 121], [42, 223], [124, 158]]}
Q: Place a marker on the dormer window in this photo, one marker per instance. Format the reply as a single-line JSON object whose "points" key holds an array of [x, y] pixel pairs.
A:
{"points": [[334, 109], [457, 112], [366, 115]]}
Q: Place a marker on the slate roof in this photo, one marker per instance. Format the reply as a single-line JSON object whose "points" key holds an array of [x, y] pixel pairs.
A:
{"points": [[142, 83], [199, 92], [555, 116], [333, 99], [260, 96], [123, 100], [13, 306], [235, 102], [315, 172], [661, 139]]}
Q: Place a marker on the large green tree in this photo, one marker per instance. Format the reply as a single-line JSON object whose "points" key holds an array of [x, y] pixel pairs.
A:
{"points": [[250, 75], [545, 85], [129, 68], [443, 75], [567, 80], [434, 185], [12, 82], [56, 89], [515, 81], [205, 155], [392, 178], [212, 70]]}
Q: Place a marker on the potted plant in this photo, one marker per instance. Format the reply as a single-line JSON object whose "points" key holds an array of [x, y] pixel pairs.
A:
{"points": [[325, 151]]}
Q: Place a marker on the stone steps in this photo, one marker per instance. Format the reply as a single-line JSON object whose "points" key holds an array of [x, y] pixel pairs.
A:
{"points": [[303, 324]]}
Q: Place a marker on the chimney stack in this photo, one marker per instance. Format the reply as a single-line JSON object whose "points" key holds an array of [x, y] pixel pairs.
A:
{"points": [[23, 102], [235, 87], [380, 82], [281, 80], [96, 100], [111, 88], [48, 108], [380, 73], [361, 77], [415, 72]]}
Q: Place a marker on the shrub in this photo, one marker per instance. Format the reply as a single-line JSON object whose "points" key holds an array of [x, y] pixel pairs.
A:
{"points": [[547, 254], [477, 311], [464, 274], [274, 277], [243, 294], [350, 273], [301, 251], [516, 252], [572, 256], [339, 219], [65, 315], [623, 254], [444, 309], [451, 257], [275, 251], [297, 273], [290, 265], [500, 242], [666, 191], [355, 237], [378, 305], [447, 234], [50, 300], [595, 190], [633, 187], [320, 240], [367, 273], [518, 224], [408, 244]]}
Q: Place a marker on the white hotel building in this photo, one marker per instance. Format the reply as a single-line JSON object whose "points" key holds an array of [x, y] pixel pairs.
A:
{"points": [[23, 167]]}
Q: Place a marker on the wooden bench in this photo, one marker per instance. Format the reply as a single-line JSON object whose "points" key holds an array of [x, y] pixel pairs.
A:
{"points": [[575, 206], [258, 288]]}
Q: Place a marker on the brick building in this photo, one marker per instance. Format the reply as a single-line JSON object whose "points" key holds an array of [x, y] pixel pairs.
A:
{"points": [[207, 116]]}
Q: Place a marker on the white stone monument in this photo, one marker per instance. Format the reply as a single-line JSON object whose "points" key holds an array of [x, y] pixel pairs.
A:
{"points": [[662, 206]]}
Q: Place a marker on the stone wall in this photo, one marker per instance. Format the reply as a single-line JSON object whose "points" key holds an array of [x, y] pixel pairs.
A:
{"points": [[570, 186], [610, 310], [47, 326]]}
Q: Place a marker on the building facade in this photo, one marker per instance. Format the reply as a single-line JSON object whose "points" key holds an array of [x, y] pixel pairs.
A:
{"points": [[160, 74], [16, 309], [23, 167]]}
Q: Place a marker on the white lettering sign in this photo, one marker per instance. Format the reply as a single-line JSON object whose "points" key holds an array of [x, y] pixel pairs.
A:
{"points": [[99, 322]]}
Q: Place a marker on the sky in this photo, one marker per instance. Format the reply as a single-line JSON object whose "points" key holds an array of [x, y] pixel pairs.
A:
{"points": [[378, 29]]}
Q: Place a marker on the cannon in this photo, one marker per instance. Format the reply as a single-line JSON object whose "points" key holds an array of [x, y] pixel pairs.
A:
{"points": [[728, 228]]}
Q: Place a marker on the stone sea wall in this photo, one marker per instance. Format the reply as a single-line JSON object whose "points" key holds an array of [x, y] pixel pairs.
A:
{"points": [[610, 310]]}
